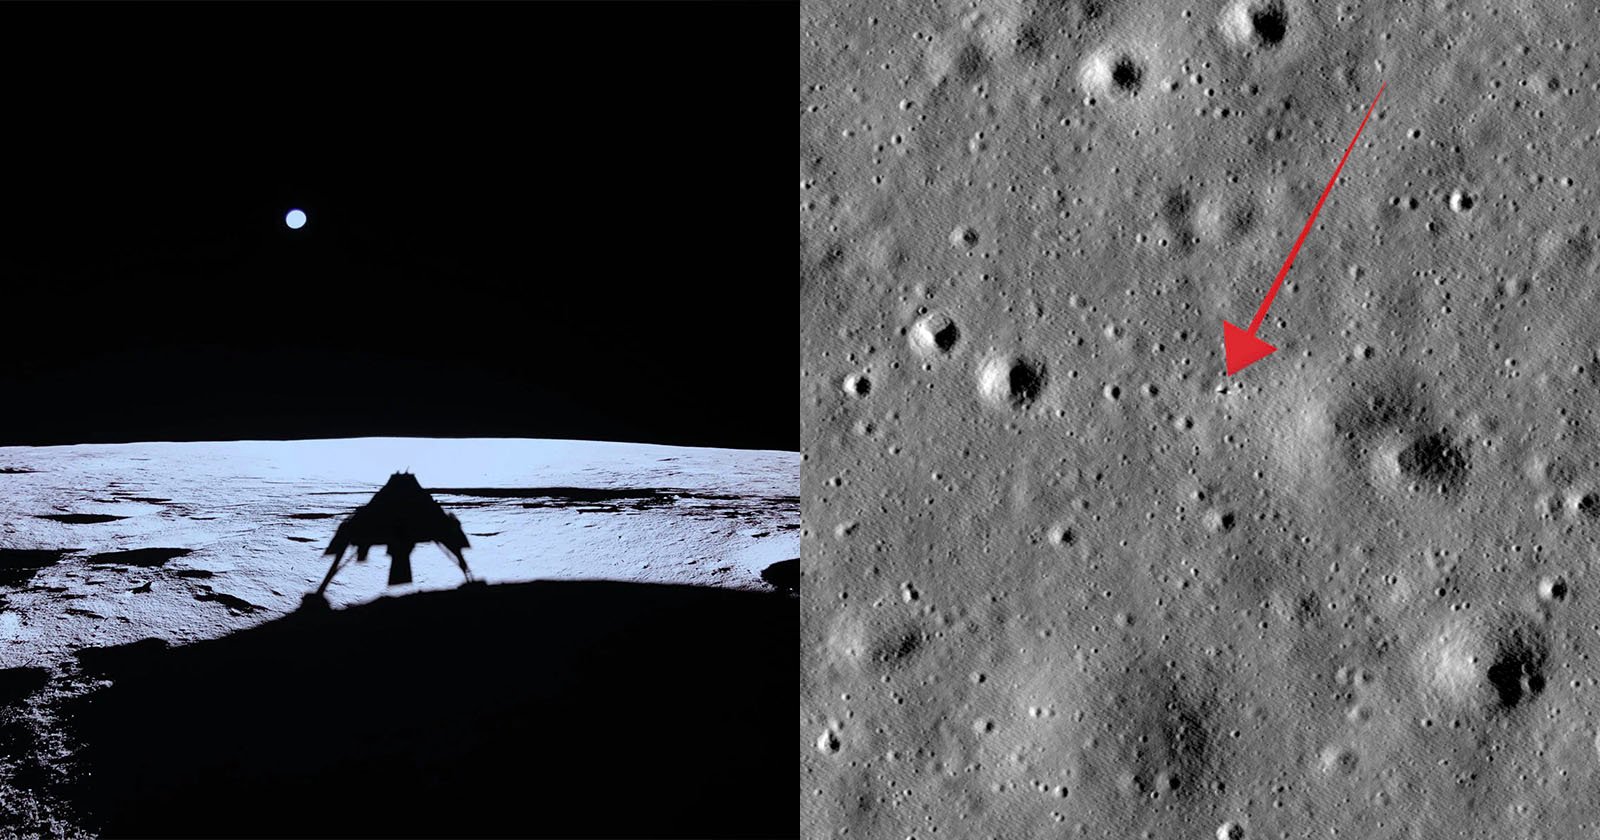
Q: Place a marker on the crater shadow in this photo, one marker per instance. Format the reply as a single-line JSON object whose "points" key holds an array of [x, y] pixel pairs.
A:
{"points": [[137, 556], [1436, 461], [80, 518], [18, 565]]}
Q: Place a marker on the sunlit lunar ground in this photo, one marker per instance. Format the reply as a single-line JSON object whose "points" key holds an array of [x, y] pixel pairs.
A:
{"points": [[184, 541], [102, 545]]}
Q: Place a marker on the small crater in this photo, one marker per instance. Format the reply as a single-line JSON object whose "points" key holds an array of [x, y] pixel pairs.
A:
{"points": [[80, 518], [1270, 23], [1255, 24], [934, 334], [970, 63], [1013, 382], [1434, 460], [1516, 669], [82, 612], [1338, 761], [1114, 73], [1219, 521], [312, 515], [16, 470], [828, 742], [194, 573], [1127, 75], [302, 539], [1553, 588], [138, 556], [896, 649], [857, 385], [964, 237], [1491, 663]]}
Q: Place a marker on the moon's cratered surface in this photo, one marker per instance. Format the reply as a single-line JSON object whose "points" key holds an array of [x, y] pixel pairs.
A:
{"points": [[1064, 578], [132, 544]]}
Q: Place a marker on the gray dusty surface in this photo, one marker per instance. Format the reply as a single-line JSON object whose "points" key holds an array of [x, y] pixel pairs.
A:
{"points": [[1061, 576]]}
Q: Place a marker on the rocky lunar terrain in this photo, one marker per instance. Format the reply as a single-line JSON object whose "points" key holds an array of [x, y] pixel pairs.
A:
{"points": [[158, 677]]}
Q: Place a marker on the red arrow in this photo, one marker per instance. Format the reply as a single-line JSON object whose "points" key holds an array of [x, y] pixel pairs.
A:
{"points": [[1241, 347]]}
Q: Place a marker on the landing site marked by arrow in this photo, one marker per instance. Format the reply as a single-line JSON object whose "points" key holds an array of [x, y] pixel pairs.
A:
{"points": [[1240, 347]]}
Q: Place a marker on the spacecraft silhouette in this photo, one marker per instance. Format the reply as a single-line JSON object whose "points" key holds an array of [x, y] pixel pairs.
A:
{"points": [[400, 515]]}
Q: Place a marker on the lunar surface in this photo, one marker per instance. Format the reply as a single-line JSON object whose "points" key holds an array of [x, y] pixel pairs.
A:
{"points": [[125, 546], [1062, 577]]}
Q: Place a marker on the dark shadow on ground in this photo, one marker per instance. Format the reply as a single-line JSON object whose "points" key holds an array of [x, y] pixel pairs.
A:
{"points": [[17, 683], [784, 576], [138, 556], [552, 708], [18, 565], [81, 518]]}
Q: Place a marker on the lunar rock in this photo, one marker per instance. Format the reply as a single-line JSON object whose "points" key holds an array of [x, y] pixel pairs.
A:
{"points": [[1340, 594]]}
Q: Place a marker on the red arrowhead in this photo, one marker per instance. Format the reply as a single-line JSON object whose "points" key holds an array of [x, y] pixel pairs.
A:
{"points": [[1242, 348]]}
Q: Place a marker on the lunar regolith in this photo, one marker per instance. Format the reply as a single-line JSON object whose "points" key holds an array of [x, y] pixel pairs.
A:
{"points": [[1062, 576], [107, 550]]}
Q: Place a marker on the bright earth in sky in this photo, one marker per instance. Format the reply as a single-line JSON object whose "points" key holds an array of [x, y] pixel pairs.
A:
{"points": [[295, 219]]}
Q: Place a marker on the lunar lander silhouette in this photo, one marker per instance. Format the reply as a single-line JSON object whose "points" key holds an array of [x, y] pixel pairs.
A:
{"points": [[400, 515]]}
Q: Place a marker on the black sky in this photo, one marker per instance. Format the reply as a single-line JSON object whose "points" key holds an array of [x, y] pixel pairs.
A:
{"points": [[525, 220]]}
